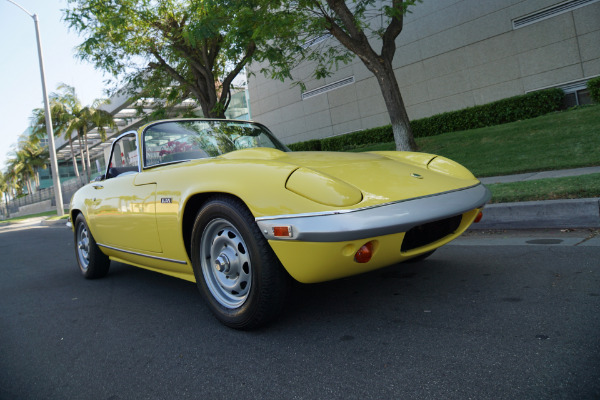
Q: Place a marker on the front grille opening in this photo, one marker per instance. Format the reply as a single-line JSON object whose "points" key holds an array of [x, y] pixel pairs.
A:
{"points": [[428, 233]]}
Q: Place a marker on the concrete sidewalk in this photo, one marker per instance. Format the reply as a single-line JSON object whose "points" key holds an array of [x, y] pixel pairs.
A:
{"points": [[576, 213]]}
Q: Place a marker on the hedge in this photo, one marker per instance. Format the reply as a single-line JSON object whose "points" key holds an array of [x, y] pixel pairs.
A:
{"points": [[381, 134], [512, 109], [593, 86]]}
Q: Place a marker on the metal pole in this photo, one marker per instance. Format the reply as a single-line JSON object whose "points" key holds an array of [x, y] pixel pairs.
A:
{"points": [[49, 131], [53, 162]]}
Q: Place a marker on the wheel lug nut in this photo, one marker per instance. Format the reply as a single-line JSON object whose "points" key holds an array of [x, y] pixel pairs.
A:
{"points": [[222, 263]]}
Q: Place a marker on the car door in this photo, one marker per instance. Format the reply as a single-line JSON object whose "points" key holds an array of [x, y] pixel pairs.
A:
{"points": [[123, 211]]}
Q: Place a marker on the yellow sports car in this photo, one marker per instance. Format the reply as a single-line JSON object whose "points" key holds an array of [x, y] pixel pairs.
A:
{"points": [[224, 204]]}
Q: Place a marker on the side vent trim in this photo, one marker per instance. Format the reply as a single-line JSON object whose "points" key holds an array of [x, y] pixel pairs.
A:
{"points": [[550, 12], [316, 40], [328, 88]]}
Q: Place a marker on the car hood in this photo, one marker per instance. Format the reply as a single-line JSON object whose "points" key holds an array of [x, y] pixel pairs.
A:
{"points": [[345, 179]]}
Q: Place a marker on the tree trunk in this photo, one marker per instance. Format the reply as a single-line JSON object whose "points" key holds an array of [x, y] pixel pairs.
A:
{"points": [[73, 158], [81, 154], [395, 106], [6, 203], [87, 156], [211, 108], [36, 179], [28, 184]]}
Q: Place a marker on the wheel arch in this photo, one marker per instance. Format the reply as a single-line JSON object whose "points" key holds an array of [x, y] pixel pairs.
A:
{"points": [[73, 214], [190, 210]]}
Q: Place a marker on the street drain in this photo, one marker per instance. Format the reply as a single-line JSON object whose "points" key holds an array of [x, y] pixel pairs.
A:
{"points": [[545, 241]]}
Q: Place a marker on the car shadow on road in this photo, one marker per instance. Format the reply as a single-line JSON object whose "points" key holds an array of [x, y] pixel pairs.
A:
{"points": [[394, 292]]}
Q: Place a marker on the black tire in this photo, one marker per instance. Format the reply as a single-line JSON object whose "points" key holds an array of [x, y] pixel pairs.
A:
{"points": [[93, 264], [421, 257], [236, 271]]}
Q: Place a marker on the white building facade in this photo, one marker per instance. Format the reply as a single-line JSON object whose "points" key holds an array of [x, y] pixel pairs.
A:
{"points": [[452, 54]]}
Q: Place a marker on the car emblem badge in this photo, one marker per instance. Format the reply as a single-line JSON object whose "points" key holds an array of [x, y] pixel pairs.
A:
{"points": [[416, 176], [166, 200]]}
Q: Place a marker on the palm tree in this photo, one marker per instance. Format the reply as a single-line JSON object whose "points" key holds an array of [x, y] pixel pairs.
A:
{"points": [[20, 170], [14, 174], [69, 117], [59, 110], [83, 119], [35, 157], [25, 162], [4, 189]]}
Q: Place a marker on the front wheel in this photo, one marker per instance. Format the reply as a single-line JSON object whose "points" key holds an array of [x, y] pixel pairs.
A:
{"points": [[236, 270], [92, 262]]}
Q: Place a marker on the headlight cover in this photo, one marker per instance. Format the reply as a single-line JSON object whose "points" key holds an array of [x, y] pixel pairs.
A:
{"points": [[323, 189], [446, 166]]}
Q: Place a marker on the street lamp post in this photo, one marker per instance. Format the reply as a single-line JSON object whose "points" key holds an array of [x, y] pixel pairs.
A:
{"points": [[49, 131]]}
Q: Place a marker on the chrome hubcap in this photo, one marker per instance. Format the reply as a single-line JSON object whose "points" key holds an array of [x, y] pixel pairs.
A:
{"points": [[222, 263], [83, 246], [225, 262]]}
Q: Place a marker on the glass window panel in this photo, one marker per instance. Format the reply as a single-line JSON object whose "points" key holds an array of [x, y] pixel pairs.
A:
{"points": [[188, 140]]}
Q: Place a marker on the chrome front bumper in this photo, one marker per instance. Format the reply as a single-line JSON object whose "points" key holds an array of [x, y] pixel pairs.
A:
{"points": [[385, 219]]}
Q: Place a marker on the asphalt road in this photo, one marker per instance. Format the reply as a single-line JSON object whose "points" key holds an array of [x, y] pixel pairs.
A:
{"points": [[488, 318]]}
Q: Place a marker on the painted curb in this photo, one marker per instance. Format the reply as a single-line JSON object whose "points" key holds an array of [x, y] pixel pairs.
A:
{"points": [[577, 213], [55, 222]]}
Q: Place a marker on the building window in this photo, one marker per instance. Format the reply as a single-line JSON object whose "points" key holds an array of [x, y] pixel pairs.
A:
{"points": [[576, 92], [577, 98]]}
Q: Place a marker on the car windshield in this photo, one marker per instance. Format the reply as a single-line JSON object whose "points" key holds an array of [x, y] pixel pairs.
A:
{"points": [[191, 139]]}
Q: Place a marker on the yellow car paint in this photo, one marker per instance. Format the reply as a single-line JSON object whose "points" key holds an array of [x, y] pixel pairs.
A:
{"points": [[127, 221], [145, 212], [334, 192], [321, 262]]}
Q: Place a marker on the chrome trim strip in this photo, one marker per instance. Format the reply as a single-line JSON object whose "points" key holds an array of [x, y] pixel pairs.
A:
{"points": [[112, 149], [335, 212], [142, 255], [384, 219]]}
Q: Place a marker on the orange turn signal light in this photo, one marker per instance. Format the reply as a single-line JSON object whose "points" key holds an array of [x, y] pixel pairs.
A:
{"points": [[478, 217], [282, 231], [364, 254]]}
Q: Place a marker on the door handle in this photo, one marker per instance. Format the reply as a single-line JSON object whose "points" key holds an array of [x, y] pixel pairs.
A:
{"points": [[98, 187]]}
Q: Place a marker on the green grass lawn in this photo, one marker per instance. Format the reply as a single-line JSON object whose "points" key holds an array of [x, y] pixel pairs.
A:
{"points": [[568, 139], [573, 187]]}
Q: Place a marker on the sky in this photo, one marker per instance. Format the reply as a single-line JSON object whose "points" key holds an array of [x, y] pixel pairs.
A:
{"points": [[20, 82]]}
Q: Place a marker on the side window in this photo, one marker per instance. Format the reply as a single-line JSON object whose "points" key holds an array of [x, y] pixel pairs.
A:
{"points": [[124, 156]]}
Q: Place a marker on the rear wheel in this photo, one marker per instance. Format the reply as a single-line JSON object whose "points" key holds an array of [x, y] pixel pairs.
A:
{"points": [[92, 262], [236, 270]]}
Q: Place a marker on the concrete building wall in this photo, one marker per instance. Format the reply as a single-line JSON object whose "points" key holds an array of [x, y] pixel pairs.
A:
{"points": [[451, 54]]}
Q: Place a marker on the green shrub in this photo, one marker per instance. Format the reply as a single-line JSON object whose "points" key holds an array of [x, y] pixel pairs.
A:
{"points": [[593, 86], [381, 134], [310, 145], [512, 109]]}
